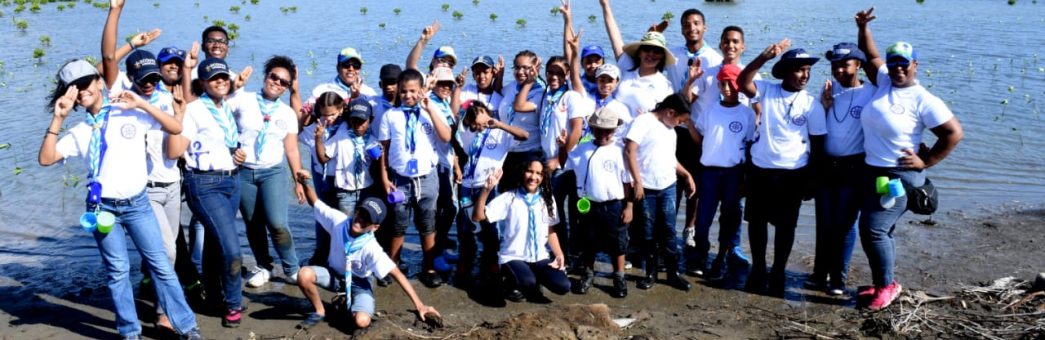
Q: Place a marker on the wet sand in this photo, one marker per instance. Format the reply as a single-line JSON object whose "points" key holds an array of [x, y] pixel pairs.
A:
{"points": [[962, 248]]}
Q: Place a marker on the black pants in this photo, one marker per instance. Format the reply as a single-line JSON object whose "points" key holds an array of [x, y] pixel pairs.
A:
{"points": [[774, 196]]}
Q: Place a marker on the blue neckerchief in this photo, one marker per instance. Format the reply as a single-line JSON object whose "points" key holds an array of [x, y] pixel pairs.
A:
{"points": [[475, 151], [548, 108], [352, 246], [267, 110], [531, 232], [358, 146], [689, 56], [444, 106], [224, 119], [98, 145], [413, 115], [343, 86]]}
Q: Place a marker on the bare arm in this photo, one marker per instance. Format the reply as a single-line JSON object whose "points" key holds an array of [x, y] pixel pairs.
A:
{"points": [[191, 59], [521, 104], [576, 130], [516, 132], [320, 149], [389, 186], [746, 80], [866, 43], [426, 35], [611, 29], [442, 130], [681, 172], [295, 98], [422, 309], [948, 135], [479, 212], [110, 65], [48, 148], [139, 40], [631, 150]]}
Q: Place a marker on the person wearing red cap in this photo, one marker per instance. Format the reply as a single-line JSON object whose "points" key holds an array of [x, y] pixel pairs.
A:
{"points": [[893, 122]]}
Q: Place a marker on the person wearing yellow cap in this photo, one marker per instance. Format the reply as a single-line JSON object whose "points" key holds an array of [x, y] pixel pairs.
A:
{"points": [[348, 79], [893, 123]]}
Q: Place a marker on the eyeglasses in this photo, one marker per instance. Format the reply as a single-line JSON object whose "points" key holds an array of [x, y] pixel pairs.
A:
{"points": [[150, 79], [352, 64], [280, 81], [898, 63], [209, 41]]}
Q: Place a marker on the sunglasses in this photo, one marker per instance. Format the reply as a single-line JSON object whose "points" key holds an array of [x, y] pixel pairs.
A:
{"points": [[83, 84], [898, 63], [216, 41], [150, 79], [282, 82], [351, 64]]}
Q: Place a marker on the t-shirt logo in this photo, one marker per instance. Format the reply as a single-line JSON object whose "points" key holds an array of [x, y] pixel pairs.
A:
{"points": [[897, 109], [491, 145], [609, 166], [855, 111], [736, 127], [427, 127], [282, 124], [127, 131], [800, 120]]}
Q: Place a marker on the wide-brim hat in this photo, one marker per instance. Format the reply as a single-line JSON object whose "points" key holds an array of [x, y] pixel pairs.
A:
{"points": [[792, 59], [655, 39], [605, 118]]}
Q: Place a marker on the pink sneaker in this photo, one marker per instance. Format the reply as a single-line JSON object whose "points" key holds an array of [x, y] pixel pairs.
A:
{"points": [[865, 292], [885, 296]]}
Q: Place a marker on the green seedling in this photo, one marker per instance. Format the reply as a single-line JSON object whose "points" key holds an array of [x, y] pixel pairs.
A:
{"points": [[475, 2], [234, 9], [445, 7], [555, 10], [22, 25], [458, 15], [493, 16], [592, 18], [667, 16], [521, 23], [397, 10], [363, 10]]}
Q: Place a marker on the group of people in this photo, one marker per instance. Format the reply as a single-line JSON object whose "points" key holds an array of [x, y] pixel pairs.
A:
{"points": [[536, 175]]}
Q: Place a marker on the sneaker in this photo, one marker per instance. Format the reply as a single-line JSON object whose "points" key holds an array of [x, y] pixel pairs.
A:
{"points": [[258, 277], [133, 337], [689, 235], [587, 278], [514, 295], [836, 290], [695, 271], [293, 279], [312, 320], [431, 279], [628, 265], [193, 334], [232, 317], [620, 287], [885, 296]]}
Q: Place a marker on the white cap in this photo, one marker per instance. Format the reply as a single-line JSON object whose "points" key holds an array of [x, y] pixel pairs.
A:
{"points": [[76, 69], [443, 74], [608, 70]]}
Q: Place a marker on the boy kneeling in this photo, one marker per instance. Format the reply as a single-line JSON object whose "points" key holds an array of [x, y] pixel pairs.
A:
{"points": [[352, 245]]}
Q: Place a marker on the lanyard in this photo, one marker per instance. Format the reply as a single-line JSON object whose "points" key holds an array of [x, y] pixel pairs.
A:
{"points": [[548, 108], [352, 246], [587, 170], [267, 110], [98, 146], [412, 116], [223, 118], [475, 152], [531, 232], [834, 112]]}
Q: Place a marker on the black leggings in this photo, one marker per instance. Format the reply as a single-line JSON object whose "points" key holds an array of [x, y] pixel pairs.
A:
{"points": [[525, 276]]}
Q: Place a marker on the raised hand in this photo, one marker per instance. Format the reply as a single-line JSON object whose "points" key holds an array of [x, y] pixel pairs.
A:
{"points": [[658, 27], [498, 70], [695, 71], [864, 17], [462, 78], [126, 100], [116, 4], [495, 177], [65, 103], [827, 98], [776, 49], [429, 31], [294, 83], [144, 38], [193, 57], [321, 128], [564, 9], [243, 77]]}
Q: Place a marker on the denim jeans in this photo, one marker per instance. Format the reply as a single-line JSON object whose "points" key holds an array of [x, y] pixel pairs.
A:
{"points": [[421, 195], [467, 231], [166, 204], [774, 196], [446, 208], [264, 195], [347, 201], [196, 237], [213, 198], [135, 218], [877, 224], [837, 208], [719, 188], [569, 230], [659, 215]]}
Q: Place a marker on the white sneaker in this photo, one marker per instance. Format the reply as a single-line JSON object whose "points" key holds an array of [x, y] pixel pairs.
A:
{"points": [[293, 279], [688, 235], [258, 277]]}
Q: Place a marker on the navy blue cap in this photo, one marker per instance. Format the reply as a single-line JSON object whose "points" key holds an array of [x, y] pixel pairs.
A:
{"points": [[484, 60], [592, 50], [360, 109], [141, 64], [171, 52], [375, 208], [390, 73], [845, 51], [211, 67], [792, 59]]}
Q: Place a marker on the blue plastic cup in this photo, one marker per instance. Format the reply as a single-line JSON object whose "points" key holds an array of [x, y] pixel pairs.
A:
{"points": [[89, 222], [896, 188], [373, 150], [396, 197]]}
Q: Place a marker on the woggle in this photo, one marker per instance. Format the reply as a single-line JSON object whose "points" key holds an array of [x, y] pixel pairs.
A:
{"points": [[584, 205]]}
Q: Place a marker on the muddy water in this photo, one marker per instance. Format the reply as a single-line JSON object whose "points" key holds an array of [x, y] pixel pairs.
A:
{"points": [[983, 58]]}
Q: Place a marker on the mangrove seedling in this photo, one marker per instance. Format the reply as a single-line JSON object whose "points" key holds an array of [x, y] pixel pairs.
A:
{"points": [[458, 15], [493, 16], [363, 10], [445, 7], [397, 10]]}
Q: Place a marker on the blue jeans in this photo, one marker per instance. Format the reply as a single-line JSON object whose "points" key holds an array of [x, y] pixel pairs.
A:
{"points": [[659, 216], [467, 231], [264, 195], [877, 224], [569, 230], [213, 198], [837, 208], [719, 188], [135, 218], [446, 208]]}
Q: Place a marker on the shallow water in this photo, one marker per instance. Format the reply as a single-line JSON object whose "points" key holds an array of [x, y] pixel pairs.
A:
{"points": [[974, 55]]}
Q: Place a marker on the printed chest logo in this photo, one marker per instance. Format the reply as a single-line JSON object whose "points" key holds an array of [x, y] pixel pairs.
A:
{"points": [[736, 126], [427, 127], [490, 145], [609, 166], [800, 120], [128, 131], [897, 109], [282, 124], [855, 111]]}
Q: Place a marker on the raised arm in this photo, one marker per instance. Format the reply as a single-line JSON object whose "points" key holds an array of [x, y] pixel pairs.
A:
{"points": [[191, 59], [48, 148], [746, 80], [137, 41], [479, 212], [612, 30], [866, 43], [518, 133], [426, 35], [129, 100], [442, 130], [521, 102], [110, 64]]}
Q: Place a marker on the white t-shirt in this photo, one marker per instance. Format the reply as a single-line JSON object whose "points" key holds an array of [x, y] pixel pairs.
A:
{"points": [[707, 92], [613, 103], [123, 170], [725, 129], [643, 93], [343, 155], [601, 171], [788, 119], [370, 260], [207, 150], [516, 241], [571, 105], [492, 100], [394, 129], [491, 153], [161, 168], [443, 149], [845, 135], [656, 153], [678, 72], [308, 137], [896, 118], [529, 121], [251, 121]]}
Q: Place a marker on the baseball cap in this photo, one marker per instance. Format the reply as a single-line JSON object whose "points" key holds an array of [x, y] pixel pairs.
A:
{"points": [[76, 69], [446, 52], [348, 53], [443, 73], [792, 59], [675, 102], [141, 64], [730, 73], [171, 52], [605, 118], [211, 67], [484, 60], [592, 50], [360, 109], [902, 50], [374, 208], [608, 70], [390, 73], [845, 51]]}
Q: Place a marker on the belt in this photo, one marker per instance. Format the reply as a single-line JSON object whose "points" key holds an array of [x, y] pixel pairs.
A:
{"points": [[215, 172], [152, 184]]}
